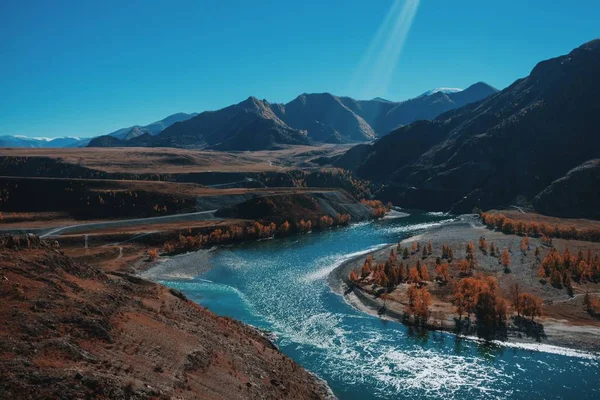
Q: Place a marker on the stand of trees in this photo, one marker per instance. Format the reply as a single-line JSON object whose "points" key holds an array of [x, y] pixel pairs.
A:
{"points": [[561, 268], [510, 226], [379, 209], [250, 231], [592, 304], [478, 296]]}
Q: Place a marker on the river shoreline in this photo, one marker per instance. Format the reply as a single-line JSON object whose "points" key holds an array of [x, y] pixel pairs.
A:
{"points": [[281, 286], [559, 333]]}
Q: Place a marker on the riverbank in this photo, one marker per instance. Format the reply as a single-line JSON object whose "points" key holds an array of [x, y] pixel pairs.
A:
{"points": [[565, 322], [74, 331], [281, 286]]}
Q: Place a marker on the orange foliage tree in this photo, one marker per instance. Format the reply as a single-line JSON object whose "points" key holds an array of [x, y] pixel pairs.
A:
{"points": [[479, 295], [423, 273], [413, 275], [531, 305], [483, 245], [505, 258], [153, 254], [442, 273], [419, 301], [524, 245]]}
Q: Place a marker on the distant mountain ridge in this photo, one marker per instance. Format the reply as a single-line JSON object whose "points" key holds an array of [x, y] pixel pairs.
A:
{"points": [[255, 124], [28, 142], [530, 143], [123, 133], [153, 129]]}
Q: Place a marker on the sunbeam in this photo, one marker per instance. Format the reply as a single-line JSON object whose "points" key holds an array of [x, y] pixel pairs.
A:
{"points": [[374, 72]]}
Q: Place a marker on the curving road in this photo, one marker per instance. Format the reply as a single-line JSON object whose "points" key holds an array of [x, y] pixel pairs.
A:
{"points": [[195, 216]]}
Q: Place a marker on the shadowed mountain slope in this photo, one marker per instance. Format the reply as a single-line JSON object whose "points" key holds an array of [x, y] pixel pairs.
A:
{"points": [[310, 118], [506, 148]]}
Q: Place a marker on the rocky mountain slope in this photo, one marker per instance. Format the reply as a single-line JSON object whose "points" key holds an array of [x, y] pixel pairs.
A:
{"points": [[384, 117], [310, 118], [249, 125], [575, 195], [505, 149], [71, 331], [153, 129]]}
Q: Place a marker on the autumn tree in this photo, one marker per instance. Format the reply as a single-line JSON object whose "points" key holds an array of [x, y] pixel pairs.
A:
{"points": [[583, 272], [353, 277], [465, 296], [423, 303], [505, 259], [285, 227], [414, 247], [546, 240], [447, 252], [419, 301], [492, 250], [393, 256], [482, 297], [168, 248], [524, 245], [532, 305], [413, 275], [429, 248], [424, 273], [411, 294], [366, 268], [424, 253], [470, 251], [515, 293], [591, 303], [465, 267], [556, 278], [483, 246], [441, 273], [152, 254]]}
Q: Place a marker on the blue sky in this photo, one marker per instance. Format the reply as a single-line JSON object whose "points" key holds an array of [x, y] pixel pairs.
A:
{"points": [[84, 68]]}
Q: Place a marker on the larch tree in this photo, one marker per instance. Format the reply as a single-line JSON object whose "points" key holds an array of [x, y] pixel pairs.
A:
{"points": [[441, 272], [515, 293], [423, 273], [524, 245], [505, 258], [414, 247], [532, 305], [413, 275]]}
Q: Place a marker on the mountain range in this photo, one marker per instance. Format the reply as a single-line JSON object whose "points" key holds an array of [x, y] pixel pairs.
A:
{"points": [[257, 124], [24, 141], [534, 143], [152, 129], [123, 133]]}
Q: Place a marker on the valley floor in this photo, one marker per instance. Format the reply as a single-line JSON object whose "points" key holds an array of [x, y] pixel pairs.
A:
{"points": [[565, 321]]}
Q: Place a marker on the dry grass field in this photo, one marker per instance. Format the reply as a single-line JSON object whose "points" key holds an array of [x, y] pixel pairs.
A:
{"points": [[175, 161]]}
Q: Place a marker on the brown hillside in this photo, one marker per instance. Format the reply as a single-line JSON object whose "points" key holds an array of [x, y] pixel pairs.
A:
{"points": [[71, 331]]}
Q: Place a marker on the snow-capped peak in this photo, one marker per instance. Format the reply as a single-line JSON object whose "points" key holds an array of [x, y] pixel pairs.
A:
{"points": [[442, 90]]}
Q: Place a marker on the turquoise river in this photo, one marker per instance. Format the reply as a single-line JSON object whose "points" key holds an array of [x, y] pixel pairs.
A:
{"points": [[281, 286]]}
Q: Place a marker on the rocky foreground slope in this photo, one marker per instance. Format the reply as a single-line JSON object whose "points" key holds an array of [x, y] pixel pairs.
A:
{"points": [[69, 330]]}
